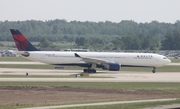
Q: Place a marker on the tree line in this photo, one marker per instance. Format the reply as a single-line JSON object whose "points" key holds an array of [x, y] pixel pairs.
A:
{"points": [[125, 35]]}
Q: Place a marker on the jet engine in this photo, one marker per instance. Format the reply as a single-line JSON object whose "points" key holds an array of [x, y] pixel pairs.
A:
{"points": [[112, 66]]}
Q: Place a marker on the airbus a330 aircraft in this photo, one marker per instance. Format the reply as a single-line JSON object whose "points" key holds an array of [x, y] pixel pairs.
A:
{"points": [[90, 60]]}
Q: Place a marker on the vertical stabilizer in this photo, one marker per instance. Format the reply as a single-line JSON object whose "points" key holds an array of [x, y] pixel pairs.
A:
{"points": [[21, 41]]}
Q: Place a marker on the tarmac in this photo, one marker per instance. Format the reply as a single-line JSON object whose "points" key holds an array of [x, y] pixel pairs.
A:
{"points": [[104, 76]]}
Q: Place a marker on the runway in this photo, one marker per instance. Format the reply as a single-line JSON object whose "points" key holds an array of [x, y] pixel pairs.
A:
{"points": [[104, 76]]}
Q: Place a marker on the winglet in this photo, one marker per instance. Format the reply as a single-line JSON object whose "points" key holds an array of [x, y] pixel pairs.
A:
{"points": [[21, 41], [76, 55]]}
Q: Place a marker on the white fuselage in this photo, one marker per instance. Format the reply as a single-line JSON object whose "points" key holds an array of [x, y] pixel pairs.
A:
{"points": [[127, 59]]}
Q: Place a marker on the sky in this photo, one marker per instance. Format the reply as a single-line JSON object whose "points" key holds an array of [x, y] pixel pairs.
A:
{"points": [[140, 11]]}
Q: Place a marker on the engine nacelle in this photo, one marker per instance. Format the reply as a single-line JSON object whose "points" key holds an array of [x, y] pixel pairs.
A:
{"points": [[112, 66]]}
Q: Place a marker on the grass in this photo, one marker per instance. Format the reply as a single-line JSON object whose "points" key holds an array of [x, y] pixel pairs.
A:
{"points": [[174, 87], [174, 60], [115, 106], [15, 59], [16, 106], [26, 66], [128, 105]]}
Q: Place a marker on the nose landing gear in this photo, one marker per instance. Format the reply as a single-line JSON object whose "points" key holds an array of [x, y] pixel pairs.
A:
{"points": [[154, 70]]}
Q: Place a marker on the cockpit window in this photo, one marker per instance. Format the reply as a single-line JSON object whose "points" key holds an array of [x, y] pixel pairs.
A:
{"points": [[164, 58]]}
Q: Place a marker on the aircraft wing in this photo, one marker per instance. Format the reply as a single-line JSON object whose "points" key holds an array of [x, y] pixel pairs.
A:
{"points": [[93, 60]]}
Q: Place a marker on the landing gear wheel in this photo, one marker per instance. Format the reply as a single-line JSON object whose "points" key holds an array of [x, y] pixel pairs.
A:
{"points": [[154, 70], [89, 70], [93, 71], [85, 70]]}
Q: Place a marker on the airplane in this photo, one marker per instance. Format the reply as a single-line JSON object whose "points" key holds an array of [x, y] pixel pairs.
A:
{"points": [[112, 61]]}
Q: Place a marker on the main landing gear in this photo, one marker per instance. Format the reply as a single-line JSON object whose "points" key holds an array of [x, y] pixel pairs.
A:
{"points": [[154, 70], [89, 71]]}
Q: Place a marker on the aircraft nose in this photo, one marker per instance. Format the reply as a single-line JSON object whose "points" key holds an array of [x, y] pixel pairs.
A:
{"points": [[169, 61]]}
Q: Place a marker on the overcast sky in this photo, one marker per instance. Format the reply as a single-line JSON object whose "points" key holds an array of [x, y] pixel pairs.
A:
{"points": [[91, 10]]}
